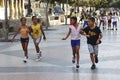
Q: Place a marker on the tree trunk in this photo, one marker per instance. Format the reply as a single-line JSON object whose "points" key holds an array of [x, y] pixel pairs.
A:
{"points": [[66, 16], [47, 19], [19, 10], [10, 9], [6, 26], [22, 8]]}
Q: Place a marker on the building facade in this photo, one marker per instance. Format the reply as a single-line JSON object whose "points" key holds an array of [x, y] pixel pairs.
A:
{"points": [[15, 8]]}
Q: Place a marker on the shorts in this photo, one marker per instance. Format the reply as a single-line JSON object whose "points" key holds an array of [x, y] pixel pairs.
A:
{"points": [[114, 22], [102, 21], [75, 43], [93, 49], [23, 40], [85, 23], [37, 40], [109, 21]]}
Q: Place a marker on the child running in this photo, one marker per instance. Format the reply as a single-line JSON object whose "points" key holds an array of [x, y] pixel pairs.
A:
{"points": [[36, 32], [94, 36], [74, 31], [24, 38]]}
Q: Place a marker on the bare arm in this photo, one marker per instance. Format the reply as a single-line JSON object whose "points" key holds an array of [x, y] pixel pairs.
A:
{"points": [[68, 34], [83, 33], [99, 39], [30, 31], [15, 34]]}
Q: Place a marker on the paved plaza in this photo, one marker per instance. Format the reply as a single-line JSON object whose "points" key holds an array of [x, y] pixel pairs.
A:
{"points": [[56, 61]]}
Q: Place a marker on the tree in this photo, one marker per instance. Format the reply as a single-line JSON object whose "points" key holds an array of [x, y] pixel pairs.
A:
{"points": [[115, 4], [6, 22]]}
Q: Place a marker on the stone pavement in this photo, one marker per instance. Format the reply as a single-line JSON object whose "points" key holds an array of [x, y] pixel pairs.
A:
{"points": [[56, 61]]}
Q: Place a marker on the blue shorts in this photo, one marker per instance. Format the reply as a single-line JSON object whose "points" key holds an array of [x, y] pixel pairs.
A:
{"points": [[114, 22], [85, 23], [75, 43]]}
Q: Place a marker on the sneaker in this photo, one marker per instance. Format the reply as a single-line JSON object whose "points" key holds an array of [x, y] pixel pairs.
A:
{"points": [[39, 55], [112, 29], [73, 60], [77, 65], [96, 59], [37, 60], [116, 28], [25, 60], [93, 66]]}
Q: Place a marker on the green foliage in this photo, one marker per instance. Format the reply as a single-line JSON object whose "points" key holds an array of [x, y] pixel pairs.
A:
{"points": [[115, 4], [93, 3]]}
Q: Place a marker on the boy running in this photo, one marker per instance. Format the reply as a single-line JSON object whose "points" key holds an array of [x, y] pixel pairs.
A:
{"points": [[94, 35], [36, 33]]}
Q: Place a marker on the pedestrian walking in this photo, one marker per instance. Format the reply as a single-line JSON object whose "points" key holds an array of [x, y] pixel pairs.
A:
{"points": [[109, 20], [36, 32], [114, 21], [24, 37], [74, 31], [94, 36]]}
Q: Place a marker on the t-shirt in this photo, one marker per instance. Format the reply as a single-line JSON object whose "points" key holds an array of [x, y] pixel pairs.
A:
{"points": [[72, 14], [36, 31], [115, 18], [93, 33], [75, 32]]}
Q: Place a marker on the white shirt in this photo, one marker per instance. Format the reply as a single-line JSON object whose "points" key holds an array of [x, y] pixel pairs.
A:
{"points": [[114, 18], [75, 33], [104, 18]]}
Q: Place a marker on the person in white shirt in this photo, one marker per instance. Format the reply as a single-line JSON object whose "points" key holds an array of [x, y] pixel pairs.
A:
{"points": [[74, 31], [105, 21], [114, 21]]}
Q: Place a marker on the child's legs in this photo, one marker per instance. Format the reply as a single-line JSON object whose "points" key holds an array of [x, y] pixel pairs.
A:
{"points": [[36, 43], [73, 51], [77, 54], [75, 47], [95, 47], [116, 24], [91, 50], [24, 43]]}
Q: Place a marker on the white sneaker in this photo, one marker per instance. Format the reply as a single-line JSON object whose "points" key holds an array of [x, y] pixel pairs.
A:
{"points": [[39, 55], [37, 60], [25, 60]]}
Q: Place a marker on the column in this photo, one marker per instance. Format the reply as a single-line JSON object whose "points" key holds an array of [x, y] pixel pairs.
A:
{"points": [[10, 9], [22, 8]]}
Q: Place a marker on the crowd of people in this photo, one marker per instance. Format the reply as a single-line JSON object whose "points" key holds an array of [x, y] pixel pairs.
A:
{"points": [[105, 19]]}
